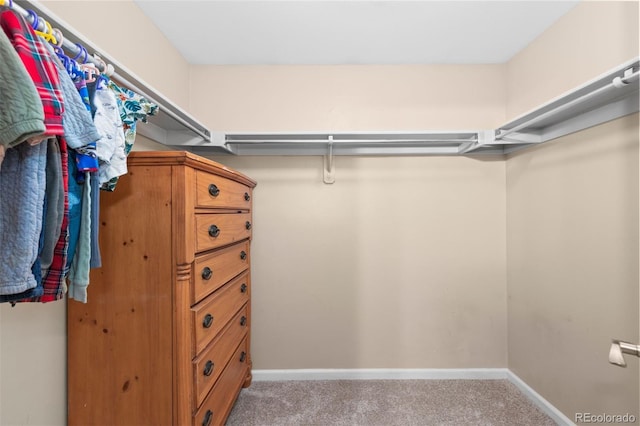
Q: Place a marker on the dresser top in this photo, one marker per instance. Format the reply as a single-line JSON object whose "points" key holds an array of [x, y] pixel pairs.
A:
{"points": [[188, 159]]}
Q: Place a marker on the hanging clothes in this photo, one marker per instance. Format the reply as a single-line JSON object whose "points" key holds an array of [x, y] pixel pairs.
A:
{"points": [[81, 135], [23, 175], [53, 279], [80, 265], [23, 182], [79, 130], [110, 147], [39, 66], [54, 205], [96, 261], [133, 107], [21, 112], [49, 191]]}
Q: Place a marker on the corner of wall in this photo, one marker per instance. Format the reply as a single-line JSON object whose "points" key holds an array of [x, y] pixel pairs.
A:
{"points": [[589, 40], [542, 184]]}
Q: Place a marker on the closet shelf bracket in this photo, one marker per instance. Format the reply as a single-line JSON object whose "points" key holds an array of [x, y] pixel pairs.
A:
{"points": [[484, 140], [607, 97], [612, 95], [328, 171]]}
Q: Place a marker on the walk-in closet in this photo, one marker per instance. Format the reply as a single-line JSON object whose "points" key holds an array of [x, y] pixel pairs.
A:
{"points": [[320, 213]]}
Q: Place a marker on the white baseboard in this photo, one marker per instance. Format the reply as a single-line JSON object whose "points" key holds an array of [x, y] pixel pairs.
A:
{"points": [[419, 374], [539, 401], [382, 374]]}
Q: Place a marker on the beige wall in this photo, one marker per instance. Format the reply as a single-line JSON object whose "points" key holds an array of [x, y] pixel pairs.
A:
{"points": [[572, 223], [399, 264], [33, 336], [572, 238], [592, 38], [349, 97], [373, 276]]}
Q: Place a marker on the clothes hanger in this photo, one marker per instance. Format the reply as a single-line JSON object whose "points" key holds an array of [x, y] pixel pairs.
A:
{"points": [[58, 35], [54, 36], [107, 69], [89, 70], [70, 65], [76, 66], [81, 51], [83, 67], [47, 34]]}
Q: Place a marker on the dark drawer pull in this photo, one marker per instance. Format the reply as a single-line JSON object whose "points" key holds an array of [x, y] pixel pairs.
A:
{"points": [[243, 255], [207, 273], [213, 190], [207, 321], [243, 288], [208, 368], [247, 197], [243, 321], [247, 225], [243, 356], [214, 231], [207, 418]]}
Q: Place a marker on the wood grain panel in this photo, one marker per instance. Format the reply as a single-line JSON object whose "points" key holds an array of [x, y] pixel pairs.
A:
{"points": [[221, 307], [222, 265], [232, 227], [218, 354], [183, 240], [121, 339], [185, 158], [219, 192], [220, 401]]}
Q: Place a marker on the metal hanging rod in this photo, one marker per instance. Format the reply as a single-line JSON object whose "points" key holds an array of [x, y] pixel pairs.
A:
{"points": [[348, 141], [76, 44], [75, 49], [609, 96], [631, 75]]}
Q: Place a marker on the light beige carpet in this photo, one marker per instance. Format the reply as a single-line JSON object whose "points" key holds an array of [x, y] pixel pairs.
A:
{"points": [[385, 403]]}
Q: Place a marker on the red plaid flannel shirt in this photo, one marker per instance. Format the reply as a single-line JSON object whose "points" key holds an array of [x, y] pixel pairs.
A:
{"points": [[39, 65], [54, 280]]}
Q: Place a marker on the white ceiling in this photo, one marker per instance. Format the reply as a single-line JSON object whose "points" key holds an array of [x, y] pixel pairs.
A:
{"points": [[351, 31]]}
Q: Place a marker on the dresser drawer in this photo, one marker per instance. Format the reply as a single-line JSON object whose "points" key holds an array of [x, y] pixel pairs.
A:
{"points": [[211, 315], [214, 269], [216, 191], [217, 406], [215, 230], [209, 365]]}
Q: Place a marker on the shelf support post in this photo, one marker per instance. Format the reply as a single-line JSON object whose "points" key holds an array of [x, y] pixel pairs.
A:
{"points": [[328, 171]]}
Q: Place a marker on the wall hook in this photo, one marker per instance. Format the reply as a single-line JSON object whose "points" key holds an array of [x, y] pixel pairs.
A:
{"points": [[618, 348], [328, 171]]}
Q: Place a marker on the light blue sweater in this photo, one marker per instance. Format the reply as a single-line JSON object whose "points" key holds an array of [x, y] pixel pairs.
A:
{"points": [[22, 187]]}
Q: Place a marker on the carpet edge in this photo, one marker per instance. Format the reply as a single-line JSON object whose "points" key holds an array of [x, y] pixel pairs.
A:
{"points": [[381, 374], [537, 399]]}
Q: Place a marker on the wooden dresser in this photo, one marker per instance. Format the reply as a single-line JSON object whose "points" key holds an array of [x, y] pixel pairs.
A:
{"points": [[164, 337]]}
